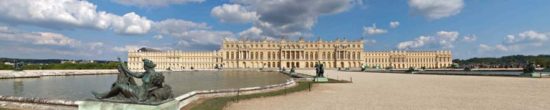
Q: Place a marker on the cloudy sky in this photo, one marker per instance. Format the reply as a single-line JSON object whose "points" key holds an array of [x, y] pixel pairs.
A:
{"points": [[106, 29]]}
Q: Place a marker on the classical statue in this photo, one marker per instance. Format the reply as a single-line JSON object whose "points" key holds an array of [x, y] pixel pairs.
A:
{"points": [[152, 91], [292, 70], [364, 68], [529, 69], [18, 66], [411, 70], [319, 70]]}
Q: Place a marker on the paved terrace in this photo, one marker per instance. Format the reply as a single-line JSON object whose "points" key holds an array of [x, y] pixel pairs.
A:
{"points": [[386, 91]]}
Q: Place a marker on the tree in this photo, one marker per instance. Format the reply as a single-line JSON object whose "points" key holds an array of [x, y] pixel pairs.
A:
{"points": [[454, 65], [513, 61], [546, 69]]}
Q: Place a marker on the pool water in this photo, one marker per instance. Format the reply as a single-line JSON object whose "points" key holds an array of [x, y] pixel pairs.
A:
{"points": [[80, 87]]}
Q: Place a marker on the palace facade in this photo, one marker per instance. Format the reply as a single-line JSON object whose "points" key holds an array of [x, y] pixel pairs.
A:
{"points": [[287, 54], [173, 60]]}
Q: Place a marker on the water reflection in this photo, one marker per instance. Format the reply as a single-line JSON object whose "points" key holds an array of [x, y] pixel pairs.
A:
{"points": [[18, 87], [79, 87]]}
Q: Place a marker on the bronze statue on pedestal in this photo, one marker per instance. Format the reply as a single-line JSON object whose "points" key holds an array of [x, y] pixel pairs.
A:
{"points": [[153, 89]]}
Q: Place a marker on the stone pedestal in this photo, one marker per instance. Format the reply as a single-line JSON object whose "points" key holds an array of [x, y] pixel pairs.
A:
{"points": [[320, 79], [104, 105]]}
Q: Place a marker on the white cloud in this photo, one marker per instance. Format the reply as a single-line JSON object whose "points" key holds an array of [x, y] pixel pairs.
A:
{"points": [[394, 24], [46, 38], [95, 45], [289, 18], [131, 23], [501, 47], [191, 35], [234, 13], [470, 38], [522, 42], [446, 38], [436, 9], [127, 48], [373, 30], [23, 44], [418, 42], [70, 14], [202, 38], [527, 37], [369, 41], [253, 33], [155, 3], [498, 47], [485, 47], [158, 36], [176, 26], [443, 39], [37, 38]]}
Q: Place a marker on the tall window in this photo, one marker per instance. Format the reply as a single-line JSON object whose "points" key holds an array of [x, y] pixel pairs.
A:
{"points": [[269, 55]]}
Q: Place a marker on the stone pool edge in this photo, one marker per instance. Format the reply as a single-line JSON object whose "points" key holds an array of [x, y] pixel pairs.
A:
{"points": [[190, 97], [183, 100]]}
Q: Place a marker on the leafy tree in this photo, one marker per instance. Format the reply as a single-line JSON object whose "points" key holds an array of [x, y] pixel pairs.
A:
{"points": [[454, 65], [513, 61], [6, 67]]}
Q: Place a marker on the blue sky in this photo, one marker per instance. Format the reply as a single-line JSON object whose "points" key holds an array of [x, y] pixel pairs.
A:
{"points": [[106, 29]]}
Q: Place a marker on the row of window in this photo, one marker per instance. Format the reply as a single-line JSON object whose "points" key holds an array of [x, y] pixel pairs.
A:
{"points": [[295, 55], [294, 45], [378, 60]]}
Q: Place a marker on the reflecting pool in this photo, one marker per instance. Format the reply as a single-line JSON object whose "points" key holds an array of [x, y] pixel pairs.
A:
{"points": [[80, 87]]}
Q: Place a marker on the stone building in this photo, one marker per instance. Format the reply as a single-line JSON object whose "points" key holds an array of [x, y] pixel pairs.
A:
{"points": [[288, 53], [173, 60], [406, 59]]}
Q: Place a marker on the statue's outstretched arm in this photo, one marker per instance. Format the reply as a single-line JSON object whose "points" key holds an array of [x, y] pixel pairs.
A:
{"points": [[125, 69]]}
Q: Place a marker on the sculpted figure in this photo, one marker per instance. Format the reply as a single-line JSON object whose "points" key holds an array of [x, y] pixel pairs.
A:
{"points": [[319, 70], [292, 70], [529, 69], [125, 89], [18, 66]]}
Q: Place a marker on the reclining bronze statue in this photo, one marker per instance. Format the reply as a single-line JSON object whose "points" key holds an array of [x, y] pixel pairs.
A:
{"points": [[152, 91]]}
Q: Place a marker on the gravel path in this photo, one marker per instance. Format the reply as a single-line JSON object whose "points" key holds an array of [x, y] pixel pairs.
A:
{"points": [[386, 91]]}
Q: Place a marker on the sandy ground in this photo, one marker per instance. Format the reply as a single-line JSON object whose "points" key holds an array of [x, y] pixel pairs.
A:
{"points": [[386, 91]]}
